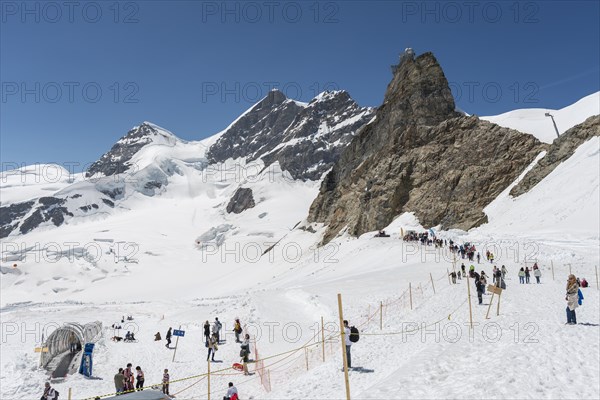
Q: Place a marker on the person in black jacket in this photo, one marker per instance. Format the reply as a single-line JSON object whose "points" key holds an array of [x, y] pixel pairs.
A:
{"points": [[168, 337], [480, 284], [206, 332]]}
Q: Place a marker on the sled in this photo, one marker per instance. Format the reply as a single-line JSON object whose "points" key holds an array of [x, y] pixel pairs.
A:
{"points": [[238, 367]]}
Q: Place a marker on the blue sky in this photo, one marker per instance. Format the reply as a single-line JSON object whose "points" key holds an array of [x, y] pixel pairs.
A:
{"points": [[74, 80]]}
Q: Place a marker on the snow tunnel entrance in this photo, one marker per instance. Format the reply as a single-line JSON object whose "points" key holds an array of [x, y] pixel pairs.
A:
{"points": [[65, 347]]}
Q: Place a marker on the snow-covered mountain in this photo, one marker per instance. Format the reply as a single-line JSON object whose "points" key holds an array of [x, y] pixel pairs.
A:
{"points": [[176, 232], [303, 139]]}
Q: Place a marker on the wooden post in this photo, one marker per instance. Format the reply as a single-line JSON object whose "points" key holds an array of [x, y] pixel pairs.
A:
{"points": [[269, 377], [208, 379], [306, 357], [490, 306], [569, 269], [454, 261], [343, 341], [498, 308], [380, 315], [432, 285], [410, 294], [596, 268], [469, 296], [323, 338], [69, 395], [552, 264], [176, 343], [448, 273]]}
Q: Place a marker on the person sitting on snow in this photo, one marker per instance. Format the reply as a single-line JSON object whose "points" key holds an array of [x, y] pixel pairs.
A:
{"points": [[232, 393]]}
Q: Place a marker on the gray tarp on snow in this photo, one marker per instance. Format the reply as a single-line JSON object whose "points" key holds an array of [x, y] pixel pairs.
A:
{"points": [[141, 395]]}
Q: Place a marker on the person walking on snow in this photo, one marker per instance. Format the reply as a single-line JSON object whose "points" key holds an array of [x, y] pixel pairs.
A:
{"points": [[484, 280], [245, 352], [165, 382], [453, 276], [206, 332], [168, 337], [212, 347], [72, 342], [504, 272], [237, 330], [521, 275], [217, 329], [572, 299], [348, 344], [480, 288], [537, 273], [527, 274]]}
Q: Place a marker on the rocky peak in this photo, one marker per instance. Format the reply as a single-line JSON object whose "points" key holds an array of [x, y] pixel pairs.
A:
{"points": [[420, 155], [304, 138], [117, 159]]}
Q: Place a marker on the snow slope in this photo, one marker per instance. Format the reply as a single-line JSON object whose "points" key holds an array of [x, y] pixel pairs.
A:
{"points": [[177, 258], [534, 121]]}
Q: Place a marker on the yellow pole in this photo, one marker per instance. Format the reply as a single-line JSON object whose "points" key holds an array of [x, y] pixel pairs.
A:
{"points": [[552, 263], [469, 296], [432, 285], [380, 315], [70, 392], [343, 341], [323, 338], [208, 379], [569, 269], [596, 268], [410, 294]]}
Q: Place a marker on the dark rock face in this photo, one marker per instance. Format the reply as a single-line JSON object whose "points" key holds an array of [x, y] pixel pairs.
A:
{"points": [[49, 209], [10, 216], [305, 139], [560, 150], [117, 160], [420, 155], [241, 201]]}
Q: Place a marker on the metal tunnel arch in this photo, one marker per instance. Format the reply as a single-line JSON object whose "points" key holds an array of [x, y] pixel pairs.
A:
{"points": [[58, 341]]}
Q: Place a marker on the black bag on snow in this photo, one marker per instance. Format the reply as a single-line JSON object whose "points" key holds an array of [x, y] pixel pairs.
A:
{"points": [[354, 336]]}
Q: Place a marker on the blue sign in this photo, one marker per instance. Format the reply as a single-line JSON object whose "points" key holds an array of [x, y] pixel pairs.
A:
{"points": [[178, 333]]}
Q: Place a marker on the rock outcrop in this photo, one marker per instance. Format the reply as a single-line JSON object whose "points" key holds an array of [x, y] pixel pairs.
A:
{"points": [[560, 150], [420, 155], [241, 200]]}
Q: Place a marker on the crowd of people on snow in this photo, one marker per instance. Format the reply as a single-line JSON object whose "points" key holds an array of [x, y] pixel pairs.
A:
{"points": [[126, 380]]}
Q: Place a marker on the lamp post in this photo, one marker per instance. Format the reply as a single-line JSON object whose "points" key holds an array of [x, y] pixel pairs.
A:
{"points": [[554, 123]]}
